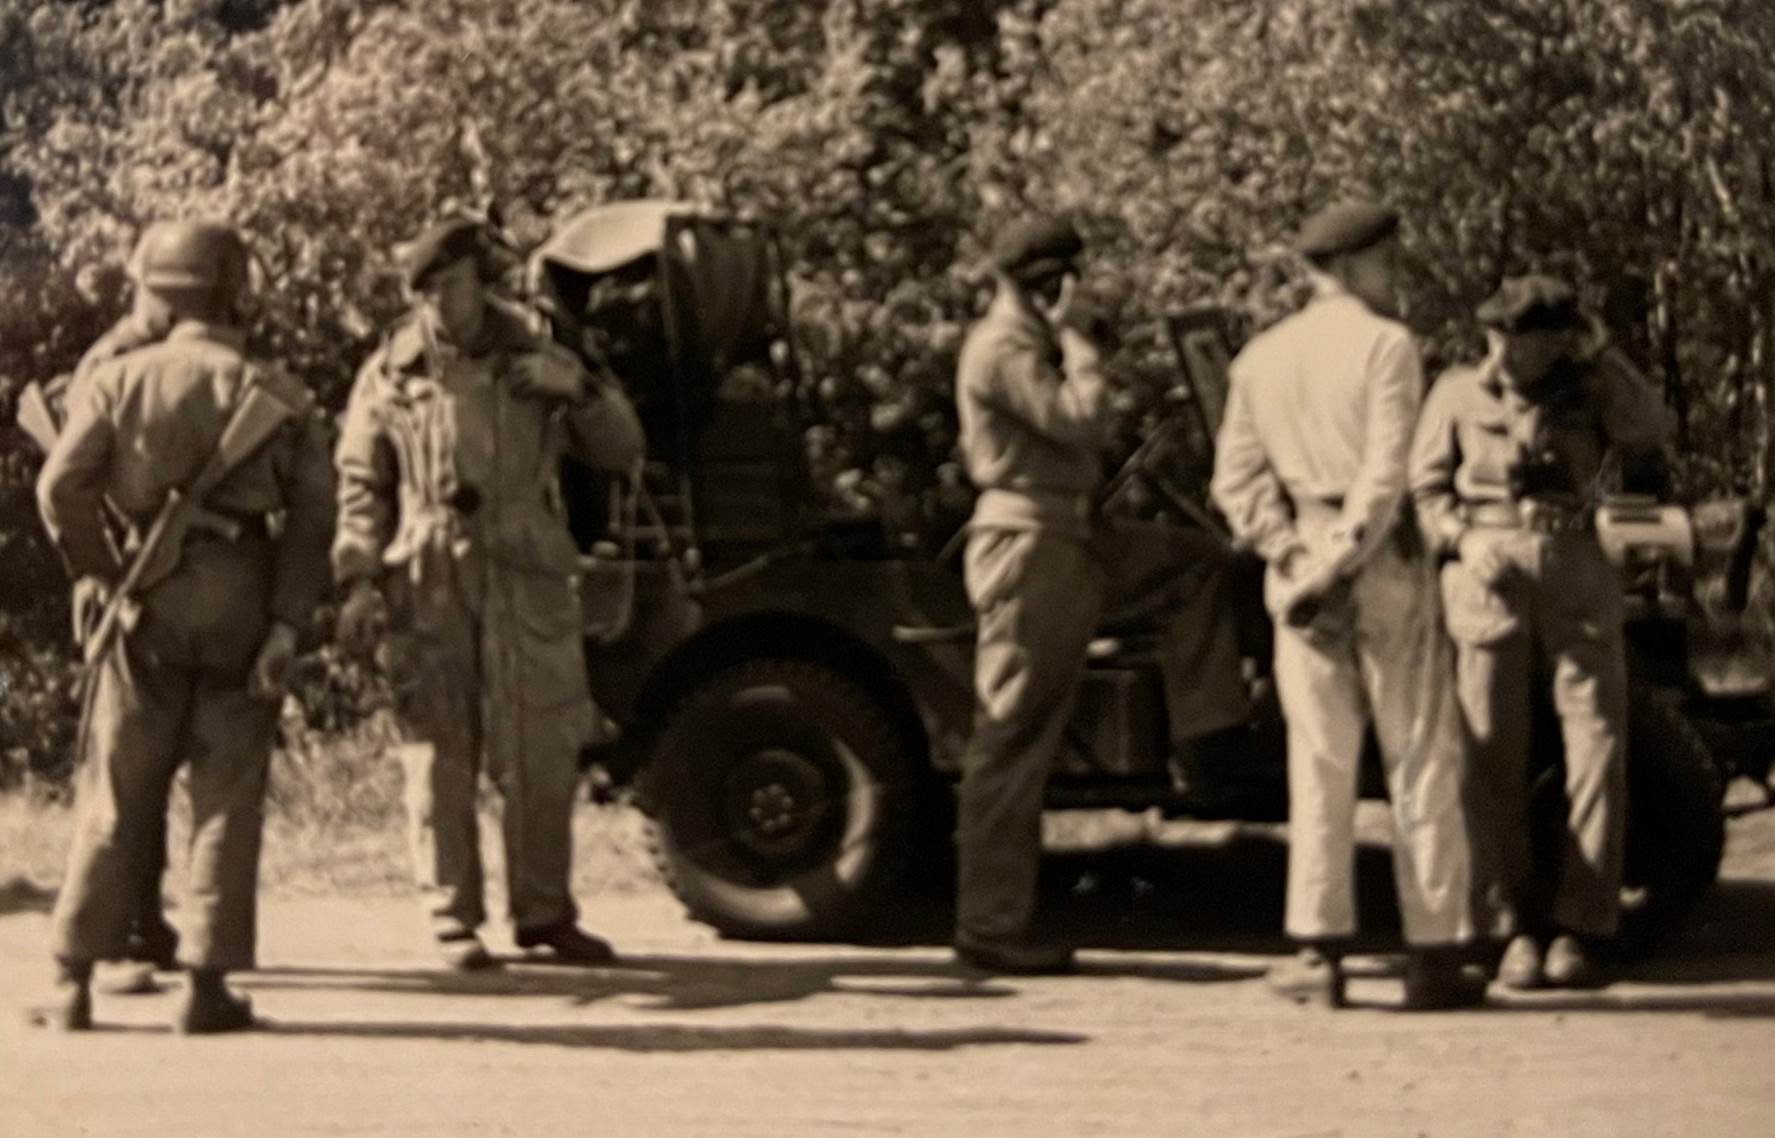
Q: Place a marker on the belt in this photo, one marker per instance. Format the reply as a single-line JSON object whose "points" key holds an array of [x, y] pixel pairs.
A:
{"points": [[1020, 508], [245, 526], [1534, 516]]}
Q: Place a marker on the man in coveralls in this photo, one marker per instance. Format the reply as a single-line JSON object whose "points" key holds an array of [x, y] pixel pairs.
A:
{"points": [[1040, 571], [197, 678], [453, 536], [1310, 471], [1506, 468]]}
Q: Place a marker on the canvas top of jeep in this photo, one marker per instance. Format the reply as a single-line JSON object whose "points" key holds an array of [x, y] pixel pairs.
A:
{"points": [[669, 296]]}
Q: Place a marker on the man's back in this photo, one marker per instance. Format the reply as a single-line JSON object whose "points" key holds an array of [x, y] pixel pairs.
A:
{"points": [[164, 408], [1306, 386]]}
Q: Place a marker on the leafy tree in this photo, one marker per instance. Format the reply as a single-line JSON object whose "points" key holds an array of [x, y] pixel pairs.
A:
{"points": [[1620, 141]]}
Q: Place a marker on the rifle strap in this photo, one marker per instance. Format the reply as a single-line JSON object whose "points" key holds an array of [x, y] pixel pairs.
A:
{"points": [[266, 402]]}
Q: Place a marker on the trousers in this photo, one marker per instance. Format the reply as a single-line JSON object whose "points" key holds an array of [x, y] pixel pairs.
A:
{"points": [[1038, 596], [1378, 657], [1557, 616], [493, 678], [174, 692]]}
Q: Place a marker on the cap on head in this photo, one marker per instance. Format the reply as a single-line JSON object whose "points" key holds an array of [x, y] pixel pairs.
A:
{"points": [[1345, 227], [441, 246], [189, 256], [1531, 304], [1037, 247]]}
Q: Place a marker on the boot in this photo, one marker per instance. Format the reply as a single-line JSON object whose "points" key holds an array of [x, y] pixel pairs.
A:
{"points": [[1521, 968], [462, 951], [1014, 957], [210, 1008], [1438, 979], [70, 1005], [570, 943], [1314, 975], [1569, 965]]}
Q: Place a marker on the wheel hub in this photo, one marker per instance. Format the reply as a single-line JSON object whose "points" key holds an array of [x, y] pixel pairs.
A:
{"points": [[775, 801]]}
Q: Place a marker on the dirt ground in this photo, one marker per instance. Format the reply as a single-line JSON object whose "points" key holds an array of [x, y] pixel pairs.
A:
{"points": [[1167, 1030]]}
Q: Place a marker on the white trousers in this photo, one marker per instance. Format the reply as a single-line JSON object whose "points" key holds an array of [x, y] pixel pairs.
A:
{"points": [[1379, 657]]}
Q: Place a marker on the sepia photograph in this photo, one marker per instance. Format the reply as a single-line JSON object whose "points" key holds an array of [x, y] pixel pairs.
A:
{"points": [[773, 568]]}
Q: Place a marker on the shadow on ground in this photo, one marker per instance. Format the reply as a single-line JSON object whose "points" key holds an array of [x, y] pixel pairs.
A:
{"points": [[19, 895], [1220, 894], [683, 1038], [703, 982], [1729, 937], [1226, 896]]}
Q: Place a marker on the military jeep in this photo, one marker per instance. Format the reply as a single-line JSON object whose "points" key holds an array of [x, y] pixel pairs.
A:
{"points": [[792, 683]]}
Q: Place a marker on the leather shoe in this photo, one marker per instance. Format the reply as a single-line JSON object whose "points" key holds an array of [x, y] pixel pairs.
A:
{"points": [[1439, 983], [211, 1009], [1521, 968], [464, 952], [1016, 958], [1310, 976], [1569, 965], [571, 944]]}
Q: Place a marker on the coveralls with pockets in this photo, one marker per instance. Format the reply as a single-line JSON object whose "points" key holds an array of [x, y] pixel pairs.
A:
{"points": [[448, 497]]}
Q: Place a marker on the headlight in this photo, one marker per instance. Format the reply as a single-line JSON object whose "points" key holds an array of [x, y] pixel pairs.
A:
{"points": [[1638, 533]]}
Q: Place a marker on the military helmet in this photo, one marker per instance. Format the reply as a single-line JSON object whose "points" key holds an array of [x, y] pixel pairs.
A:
{"points": [[187, 255]]}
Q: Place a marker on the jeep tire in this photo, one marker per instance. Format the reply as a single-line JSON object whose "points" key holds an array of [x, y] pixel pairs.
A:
{"points": [[782, 801], [1676, 829]]}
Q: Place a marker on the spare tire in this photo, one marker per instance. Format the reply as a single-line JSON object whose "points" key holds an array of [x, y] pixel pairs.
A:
{"points": [[1676, 828], [782, 802]]}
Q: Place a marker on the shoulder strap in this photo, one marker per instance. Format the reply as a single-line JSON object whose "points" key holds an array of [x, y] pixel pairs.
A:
{"points": [[267, 401]]}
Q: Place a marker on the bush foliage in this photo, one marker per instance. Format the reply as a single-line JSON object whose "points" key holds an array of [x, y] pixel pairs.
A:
{"points": [[1622, 142]]}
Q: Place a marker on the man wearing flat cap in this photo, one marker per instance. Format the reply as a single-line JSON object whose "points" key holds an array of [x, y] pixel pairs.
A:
{"points": [[1507, 466], [1040, 571], [459, 570], [1310, 472]]}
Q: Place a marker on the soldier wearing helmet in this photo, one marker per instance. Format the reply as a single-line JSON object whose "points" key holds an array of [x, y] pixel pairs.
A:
{"points": [[195, 679], [153, 942], [454, 552]]}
